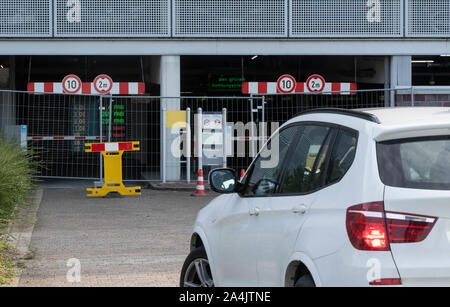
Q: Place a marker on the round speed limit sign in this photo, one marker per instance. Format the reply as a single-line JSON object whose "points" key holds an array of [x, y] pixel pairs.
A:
{"points": [[286, 84], [103, 84], [315, 83], [71, 84]]}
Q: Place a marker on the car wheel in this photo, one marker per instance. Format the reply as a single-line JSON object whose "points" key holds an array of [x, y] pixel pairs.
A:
{"points": [[305, 281], [196, 271]]}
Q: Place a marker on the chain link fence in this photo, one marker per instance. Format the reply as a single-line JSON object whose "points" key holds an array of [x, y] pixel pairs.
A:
{"points": [[56, 127]]}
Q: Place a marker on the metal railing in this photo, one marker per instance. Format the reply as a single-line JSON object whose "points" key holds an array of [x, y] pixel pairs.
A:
{"points": [[225, 18], [58, 125]]}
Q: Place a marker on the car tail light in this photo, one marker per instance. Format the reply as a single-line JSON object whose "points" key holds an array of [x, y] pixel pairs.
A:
{"points": [[386, 282], [369, 227], [408, 228], [366, 227]]}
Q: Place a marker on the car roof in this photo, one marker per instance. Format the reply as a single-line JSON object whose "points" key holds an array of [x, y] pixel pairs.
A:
{"points": [[391, 117], [409, 116], [386, 123]]}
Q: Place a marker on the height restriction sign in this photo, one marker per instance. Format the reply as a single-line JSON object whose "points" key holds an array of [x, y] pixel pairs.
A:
{"points": [[286, 84], [315, 83], [71, 84], [103, 84]]}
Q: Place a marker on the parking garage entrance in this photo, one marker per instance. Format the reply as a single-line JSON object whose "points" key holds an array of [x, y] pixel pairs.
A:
{"points": [[59, 124]]}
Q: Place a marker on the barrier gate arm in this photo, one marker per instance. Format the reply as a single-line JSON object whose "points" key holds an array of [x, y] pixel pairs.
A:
{"points": [[112, 167]]}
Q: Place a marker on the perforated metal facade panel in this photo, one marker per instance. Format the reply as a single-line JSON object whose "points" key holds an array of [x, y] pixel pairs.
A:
{"points": [[25, 18], [428, 18], [225, 18], [346, 18], [230, 18], [112, 18]]}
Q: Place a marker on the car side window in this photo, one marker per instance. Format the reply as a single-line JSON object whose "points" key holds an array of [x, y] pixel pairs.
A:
{"points": [[266, 169], [343, 154], [307, 165]]}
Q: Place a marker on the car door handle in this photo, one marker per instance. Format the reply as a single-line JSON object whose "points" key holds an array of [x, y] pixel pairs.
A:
{"points": [[254, 211], [301, 209]]}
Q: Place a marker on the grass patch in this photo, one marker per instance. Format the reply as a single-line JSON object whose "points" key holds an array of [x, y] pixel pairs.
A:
{"points": [[16, 168], [8, 262]]}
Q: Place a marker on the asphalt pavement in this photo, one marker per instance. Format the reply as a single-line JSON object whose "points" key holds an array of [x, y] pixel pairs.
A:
{"points": [[114, 241]]}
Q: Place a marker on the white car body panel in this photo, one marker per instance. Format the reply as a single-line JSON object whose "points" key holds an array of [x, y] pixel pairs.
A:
{"points": [[354, 268], [238, 235], [278, 234], [427, 262], [308, 262], [265, 245]]}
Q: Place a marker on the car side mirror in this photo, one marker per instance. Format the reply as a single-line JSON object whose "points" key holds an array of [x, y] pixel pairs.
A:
{"points": [[223, 180]]}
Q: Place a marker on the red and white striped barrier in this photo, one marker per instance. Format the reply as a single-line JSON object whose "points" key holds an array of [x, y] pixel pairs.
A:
{"points": [[64, 138], [331, 88], [118, 88], [107, 147]]}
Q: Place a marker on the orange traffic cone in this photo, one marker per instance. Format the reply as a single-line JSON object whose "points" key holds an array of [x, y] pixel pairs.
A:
{"points": [[242, 175], [200, 189]]}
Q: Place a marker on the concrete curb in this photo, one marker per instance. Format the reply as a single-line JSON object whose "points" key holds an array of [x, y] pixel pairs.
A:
{"points": [[21, 229]]}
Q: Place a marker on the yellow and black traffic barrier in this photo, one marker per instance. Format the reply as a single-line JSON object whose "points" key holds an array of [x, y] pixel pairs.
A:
{"points": [[112, 166]]}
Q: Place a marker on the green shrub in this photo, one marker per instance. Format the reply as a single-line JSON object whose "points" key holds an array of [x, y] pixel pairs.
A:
{"points": [[16, 168]]}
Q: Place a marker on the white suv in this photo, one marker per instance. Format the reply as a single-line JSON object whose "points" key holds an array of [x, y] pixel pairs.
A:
{"points": [[357, 198]]}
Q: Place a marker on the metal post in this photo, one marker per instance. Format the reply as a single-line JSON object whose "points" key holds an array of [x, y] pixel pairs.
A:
{"points": [[200, 138], [252, 132], [101, 135], [163, 154], [393, 80], [387, 93], [110, 118], [263, 132], [392, 98], [224, 137], [412, 96], [188, 144]]}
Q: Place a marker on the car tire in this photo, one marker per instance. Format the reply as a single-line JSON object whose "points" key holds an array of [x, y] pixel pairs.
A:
{"points": [[305, 281], [196, 271]]}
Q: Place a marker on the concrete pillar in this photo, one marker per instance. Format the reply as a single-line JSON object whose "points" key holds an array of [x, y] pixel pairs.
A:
{"points": [[166, 73], [401, 74]]}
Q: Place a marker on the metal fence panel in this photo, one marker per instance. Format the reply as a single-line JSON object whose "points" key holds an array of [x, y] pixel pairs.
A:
{"points": [[230, 18], [59, 126], [346, 18], [25, 18], [281, 108], [428, 18], [135, 119], [112, 18], [423, 96], [138, 119]]}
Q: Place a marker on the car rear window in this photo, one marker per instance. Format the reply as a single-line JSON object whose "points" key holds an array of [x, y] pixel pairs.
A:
{"points": [[419, 163]]}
